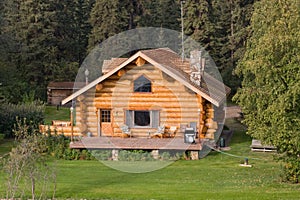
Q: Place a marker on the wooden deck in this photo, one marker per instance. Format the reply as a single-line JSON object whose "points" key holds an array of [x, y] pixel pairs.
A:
{"points": [[134, 143]]}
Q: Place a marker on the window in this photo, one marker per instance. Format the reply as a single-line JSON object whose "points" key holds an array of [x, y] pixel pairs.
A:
{"points": [[142, 118], [105, 116], [142, 84]]}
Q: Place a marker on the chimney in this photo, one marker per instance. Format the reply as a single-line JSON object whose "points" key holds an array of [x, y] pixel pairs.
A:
{"points": [[197, 65]]}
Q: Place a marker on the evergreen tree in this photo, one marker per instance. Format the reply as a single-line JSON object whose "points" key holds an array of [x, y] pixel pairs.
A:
{"points": [[160, 13], [109, 18], [47, 39], [73, 28], [222, 28], [270, 92], [197, 22], [231, 21], [30, 24]]}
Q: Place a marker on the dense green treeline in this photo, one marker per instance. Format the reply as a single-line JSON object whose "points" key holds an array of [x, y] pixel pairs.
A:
{"points": [[43, 41]]}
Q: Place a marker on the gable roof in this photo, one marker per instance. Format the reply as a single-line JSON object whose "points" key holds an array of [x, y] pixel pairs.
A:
{"points": [[170, 63], [112, 63]]}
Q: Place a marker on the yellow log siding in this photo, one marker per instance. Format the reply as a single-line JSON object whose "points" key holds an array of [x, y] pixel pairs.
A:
{"points": [[177, 104]]}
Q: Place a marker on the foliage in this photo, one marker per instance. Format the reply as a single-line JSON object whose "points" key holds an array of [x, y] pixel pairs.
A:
{"points": [[44, 40], [270, 92], [58, 147], [134, 155], [222, 28], [26, 167], [102, 154], [162, 13], [112, 17], [9, 113], [109, 18]]}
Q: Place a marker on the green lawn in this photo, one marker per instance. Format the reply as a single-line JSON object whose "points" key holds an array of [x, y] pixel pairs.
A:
{"points": [[217, 176], [5, 146], [51, 113]]}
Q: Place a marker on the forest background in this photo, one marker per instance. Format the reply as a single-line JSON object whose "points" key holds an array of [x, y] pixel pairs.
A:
{"points": [[47, 40]]}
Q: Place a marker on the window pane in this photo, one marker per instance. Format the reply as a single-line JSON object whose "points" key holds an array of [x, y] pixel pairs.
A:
{"points": [[105, 116], [141, 118], [142, 84]]}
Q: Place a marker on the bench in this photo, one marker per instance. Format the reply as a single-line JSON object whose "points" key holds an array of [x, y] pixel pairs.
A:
{"points": [[256, 145]]}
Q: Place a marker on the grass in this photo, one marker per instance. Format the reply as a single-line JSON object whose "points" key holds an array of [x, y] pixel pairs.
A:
{"points": [[217, 176], [5, 146], [52, 113]]}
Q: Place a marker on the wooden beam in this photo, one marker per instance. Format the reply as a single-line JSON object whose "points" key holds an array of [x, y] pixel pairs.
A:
{"points": [[121, 72], [99, 87], [140, 61]]}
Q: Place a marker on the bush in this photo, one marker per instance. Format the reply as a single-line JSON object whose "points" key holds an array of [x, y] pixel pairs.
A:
{"points": [[102, 154], [58, 147], [135, 155], [9, 113], [291, 168]]}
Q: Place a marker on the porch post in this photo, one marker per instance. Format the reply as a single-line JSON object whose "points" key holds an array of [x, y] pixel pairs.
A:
{"points": [[199, 124], [71, 118]]}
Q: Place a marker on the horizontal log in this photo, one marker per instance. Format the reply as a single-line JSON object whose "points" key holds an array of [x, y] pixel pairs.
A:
{"points": [[209, 136], [140, 62], [212, 125], [99, 87], [121, 72]]}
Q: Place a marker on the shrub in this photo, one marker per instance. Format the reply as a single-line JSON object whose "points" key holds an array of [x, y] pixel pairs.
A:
{"points": [[9, 113], [134, 155], [102, 154], [58, 147], [1, 136]]}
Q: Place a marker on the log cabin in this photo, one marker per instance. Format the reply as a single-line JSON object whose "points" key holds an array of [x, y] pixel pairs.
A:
{"points": [[57, 91], [151, 89]]}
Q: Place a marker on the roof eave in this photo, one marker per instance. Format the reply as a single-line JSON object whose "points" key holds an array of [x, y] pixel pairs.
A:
{"points": [[99, 80], [184, 82]]}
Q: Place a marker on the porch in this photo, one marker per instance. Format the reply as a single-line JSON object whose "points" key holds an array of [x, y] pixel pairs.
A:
{"points": [[135, 143]]}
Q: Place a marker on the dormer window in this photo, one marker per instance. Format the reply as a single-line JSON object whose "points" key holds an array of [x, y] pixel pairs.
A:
{"points": [[142, 84]]}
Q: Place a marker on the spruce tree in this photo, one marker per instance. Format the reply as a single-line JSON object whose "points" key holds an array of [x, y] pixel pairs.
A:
{"points": [[107, 19], [47, 39], [160, 13], [222, 28], [197, 22], [231, 20], [24, 25]]}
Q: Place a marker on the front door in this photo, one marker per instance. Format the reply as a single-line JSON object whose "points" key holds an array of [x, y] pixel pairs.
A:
{"points": [[106, 122]]}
